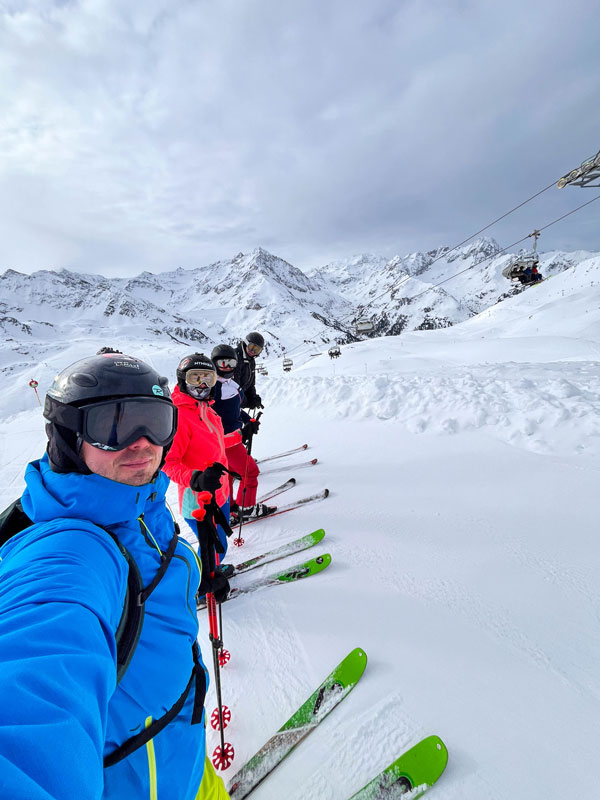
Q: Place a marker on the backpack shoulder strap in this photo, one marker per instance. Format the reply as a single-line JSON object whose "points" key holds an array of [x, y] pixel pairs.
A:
{"points": [[132, 619], [13, 520]]}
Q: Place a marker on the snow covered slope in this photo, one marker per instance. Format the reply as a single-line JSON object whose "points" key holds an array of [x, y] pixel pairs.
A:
{"points": [[463, 465]]}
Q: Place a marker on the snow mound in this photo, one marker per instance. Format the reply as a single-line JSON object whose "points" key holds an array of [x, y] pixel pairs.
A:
{"points": [[546, 409]]}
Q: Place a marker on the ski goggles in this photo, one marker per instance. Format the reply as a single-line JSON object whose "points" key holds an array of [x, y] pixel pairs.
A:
{"points": [[201, 377], [253, 349], [226, 363], [117, 424]]}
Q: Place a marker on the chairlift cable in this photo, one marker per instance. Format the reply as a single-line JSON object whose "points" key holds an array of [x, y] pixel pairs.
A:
{"points": [[508, 247], [568, 214], [460, 244]]}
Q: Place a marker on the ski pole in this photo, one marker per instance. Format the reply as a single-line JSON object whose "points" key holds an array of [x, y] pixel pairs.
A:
{"points": [[223, 754], [239, 541], [224, 655]]}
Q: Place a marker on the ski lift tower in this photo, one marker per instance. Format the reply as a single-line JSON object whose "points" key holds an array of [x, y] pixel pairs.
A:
{"points": [[587, 175]]}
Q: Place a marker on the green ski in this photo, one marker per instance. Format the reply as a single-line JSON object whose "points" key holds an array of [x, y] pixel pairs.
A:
{"points": [[289, 575], [303, 543], [414, 772], [331, 692]]}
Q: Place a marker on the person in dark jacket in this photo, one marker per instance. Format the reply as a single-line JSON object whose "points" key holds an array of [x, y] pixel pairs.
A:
{"points": [[72, 724], [245, 372], [228, 400]]}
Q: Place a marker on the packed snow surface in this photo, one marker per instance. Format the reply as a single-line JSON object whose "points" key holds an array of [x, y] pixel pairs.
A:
{"points": [[463, 466]]}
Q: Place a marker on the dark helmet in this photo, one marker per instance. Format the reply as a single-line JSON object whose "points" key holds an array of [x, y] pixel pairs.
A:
{"points": [[107, 349], [193, 361], [224, 358], [93, 380], [254, 337]]}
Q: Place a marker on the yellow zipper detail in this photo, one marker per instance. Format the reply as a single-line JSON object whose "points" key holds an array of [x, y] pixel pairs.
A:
{"points": [[151, 764], [141, 521], [195, 554]]}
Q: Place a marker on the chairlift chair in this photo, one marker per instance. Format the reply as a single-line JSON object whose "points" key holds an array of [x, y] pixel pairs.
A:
{"points": [[520, 268], [364, 326], [334, 352], [287, 364]]}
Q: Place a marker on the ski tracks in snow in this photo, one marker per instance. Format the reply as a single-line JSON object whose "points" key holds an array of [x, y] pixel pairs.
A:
{"points": [[261, 637]]}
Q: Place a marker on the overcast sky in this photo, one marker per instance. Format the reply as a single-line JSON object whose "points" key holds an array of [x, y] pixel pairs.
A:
{"points": [[154, 134]]}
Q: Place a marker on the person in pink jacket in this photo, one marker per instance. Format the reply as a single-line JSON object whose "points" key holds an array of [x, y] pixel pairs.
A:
{"points": [[197, 461]]}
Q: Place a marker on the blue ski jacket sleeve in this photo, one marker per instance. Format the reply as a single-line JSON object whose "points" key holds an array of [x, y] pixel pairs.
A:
{"points": [[48, 628], [62, 589]]}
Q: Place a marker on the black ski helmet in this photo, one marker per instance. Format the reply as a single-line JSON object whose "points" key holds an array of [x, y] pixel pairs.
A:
{"points": [[223, 351], [98, 377], [193, 361], [107, 349], [254, 337]]}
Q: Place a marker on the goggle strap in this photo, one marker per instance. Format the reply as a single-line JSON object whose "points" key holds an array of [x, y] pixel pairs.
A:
{"points": [[66, 448]]}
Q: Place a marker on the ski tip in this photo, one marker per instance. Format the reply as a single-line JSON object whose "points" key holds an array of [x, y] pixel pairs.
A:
{"points": [[314, 460], [319, 563], [358, 655], [442, 751], [305, 447], [318, 534], [353, 665], [293, 481], [326, 493]]}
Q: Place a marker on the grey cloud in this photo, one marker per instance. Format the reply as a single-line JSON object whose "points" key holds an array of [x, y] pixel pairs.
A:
{"points": [[164, 134]]}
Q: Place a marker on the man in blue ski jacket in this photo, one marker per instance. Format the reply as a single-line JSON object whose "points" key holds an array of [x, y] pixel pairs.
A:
{"points": [[102, 682]]}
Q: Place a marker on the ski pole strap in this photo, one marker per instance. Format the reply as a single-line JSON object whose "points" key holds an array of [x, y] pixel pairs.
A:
{"points": [[206, 531], [198, 680], [219, 518], [233, 473]]}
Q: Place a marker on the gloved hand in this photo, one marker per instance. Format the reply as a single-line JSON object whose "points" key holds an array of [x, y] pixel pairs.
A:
{"points": [[217, 585], [258, 401], [208, 480], [249, 429]]}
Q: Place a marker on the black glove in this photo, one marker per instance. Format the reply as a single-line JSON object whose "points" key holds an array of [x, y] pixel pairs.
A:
{"points": [[257, 401], [249, 429], [217, 585], [208, 480]]}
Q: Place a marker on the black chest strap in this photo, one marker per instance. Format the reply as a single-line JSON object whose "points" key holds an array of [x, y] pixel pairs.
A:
{"points": [[198, 682]]}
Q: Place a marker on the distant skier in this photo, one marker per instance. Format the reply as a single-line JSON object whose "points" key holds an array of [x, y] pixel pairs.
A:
{"points": [[536, 275], [228, 405], [245, 372], [196, 461], [103, 684]]}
